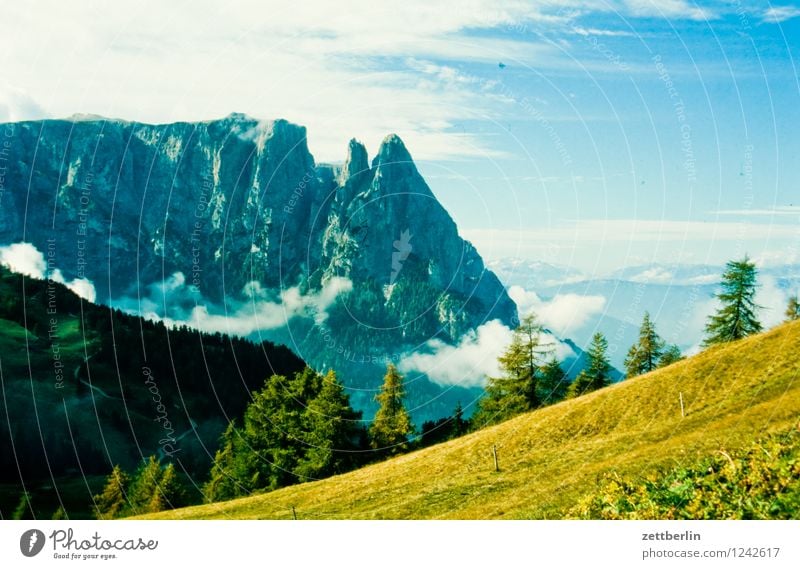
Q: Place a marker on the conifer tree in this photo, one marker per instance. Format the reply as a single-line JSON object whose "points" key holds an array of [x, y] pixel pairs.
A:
{"points": [[169, 492], [23, 511], [392, 425], [597, 372], [517, 390], [112, 501], [672, 354], [792, 309], [736, 318], [554, 382], [459, 425], [645, 355], [333, 431], [226, 480], [144, 485]]}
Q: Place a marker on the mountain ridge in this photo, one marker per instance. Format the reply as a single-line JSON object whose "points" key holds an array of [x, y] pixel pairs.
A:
{"points": [[237, 210]]}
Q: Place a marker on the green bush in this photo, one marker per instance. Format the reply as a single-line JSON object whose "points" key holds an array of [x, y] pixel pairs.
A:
{"points": [[761, 481]]}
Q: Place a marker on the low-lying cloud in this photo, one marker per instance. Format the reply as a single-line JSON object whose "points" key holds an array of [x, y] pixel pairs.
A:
{"points": [[563, 314], [26, 259], [470, 362], [175, 303]]}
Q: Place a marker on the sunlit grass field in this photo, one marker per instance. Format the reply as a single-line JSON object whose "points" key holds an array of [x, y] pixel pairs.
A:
{"points": [[552, 458]]}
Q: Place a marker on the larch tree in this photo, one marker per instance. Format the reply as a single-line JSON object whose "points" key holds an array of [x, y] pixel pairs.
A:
{"points": [[391, 427], [736, 317], [517, 389], [111, 502]]}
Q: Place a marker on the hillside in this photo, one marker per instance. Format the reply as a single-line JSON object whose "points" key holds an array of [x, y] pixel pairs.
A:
{"points": [[85, 387], [551, 458]]}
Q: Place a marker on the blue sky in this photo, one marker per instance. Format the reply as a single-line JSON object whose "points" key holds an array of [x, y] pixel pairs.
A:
{"points": [[617, 133]]}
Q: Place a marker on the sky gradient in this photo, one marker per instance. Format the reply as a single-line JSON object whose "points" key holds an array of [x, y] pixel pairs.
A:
{"points": [[594, 134]]}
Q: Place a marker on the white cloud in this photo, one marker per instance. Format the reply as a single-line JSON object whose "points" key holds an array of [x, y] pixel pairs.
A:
{"points": [[336, 68], [17, 105], [671, 9], [473, 359], [778, 14], [778, 210], [175, 303], [563, 314], [656, 275], [23, 258], [26, 259], [773, 301]]}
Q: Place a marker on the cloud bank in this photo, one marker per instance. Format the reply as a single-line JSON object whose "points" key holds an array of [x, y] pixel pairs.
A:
{"points": [[470, 362], [563, 314], [175, 303], [26, 259]]}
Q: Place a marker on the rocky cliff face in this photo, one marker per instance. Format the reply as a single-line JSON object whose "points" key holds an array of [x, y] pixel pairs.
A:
{"points": [[237, 201]]}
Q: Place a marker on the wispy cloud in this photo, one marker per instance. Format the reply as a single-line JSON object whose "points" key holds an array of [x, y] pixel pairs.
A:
{"points": [[780, 210], [671, 9], [778, 14]]}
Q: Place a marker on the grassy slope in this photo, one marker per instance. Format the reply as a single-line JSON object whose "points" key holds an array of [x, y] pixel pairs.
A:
{"points": [[552, 457]]}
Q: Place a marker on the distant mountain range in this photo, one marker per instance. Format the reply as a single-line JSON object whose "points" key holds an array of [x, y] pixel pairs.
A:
{"points": [[679, 297]]}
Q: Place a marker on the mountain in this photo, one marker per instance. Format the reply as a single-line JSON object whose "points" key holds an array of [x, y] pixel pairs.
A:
{"points": [[231, 225], [553, 458]]}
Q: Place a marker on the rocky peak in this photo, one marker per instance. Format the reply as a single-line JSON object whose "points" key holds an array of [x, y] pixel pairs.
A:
{"points": [[357, 162], [392, 151]]}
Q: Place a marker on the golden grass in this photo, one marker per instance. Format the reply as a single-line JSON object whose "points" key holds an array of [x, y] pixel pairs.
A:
{"points": [[551, 457]]}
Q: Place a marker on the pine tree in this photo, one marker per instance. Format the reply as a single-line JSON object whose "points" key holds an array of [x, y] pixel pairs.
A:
{"points": [[517, 390], [144, 485], [597, 372], [645, 355], [736, 318], [333, 431], [792, 309], [112, 501], [392, 425], [672, 354], [554, 382]]}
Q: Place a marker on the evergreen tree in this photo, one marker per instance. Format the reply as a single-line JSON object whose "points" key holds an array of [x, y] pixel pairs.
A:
{"points": [[392, 425], [333, 431], [736, 318], [645, 355], [112, 501], [792, 309], [144, 485], [672, 354], [554, 382], [597, 372], [24, 510], [60, 514], [169, 493], [459, 425], [226, 480], [517, 390]]}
